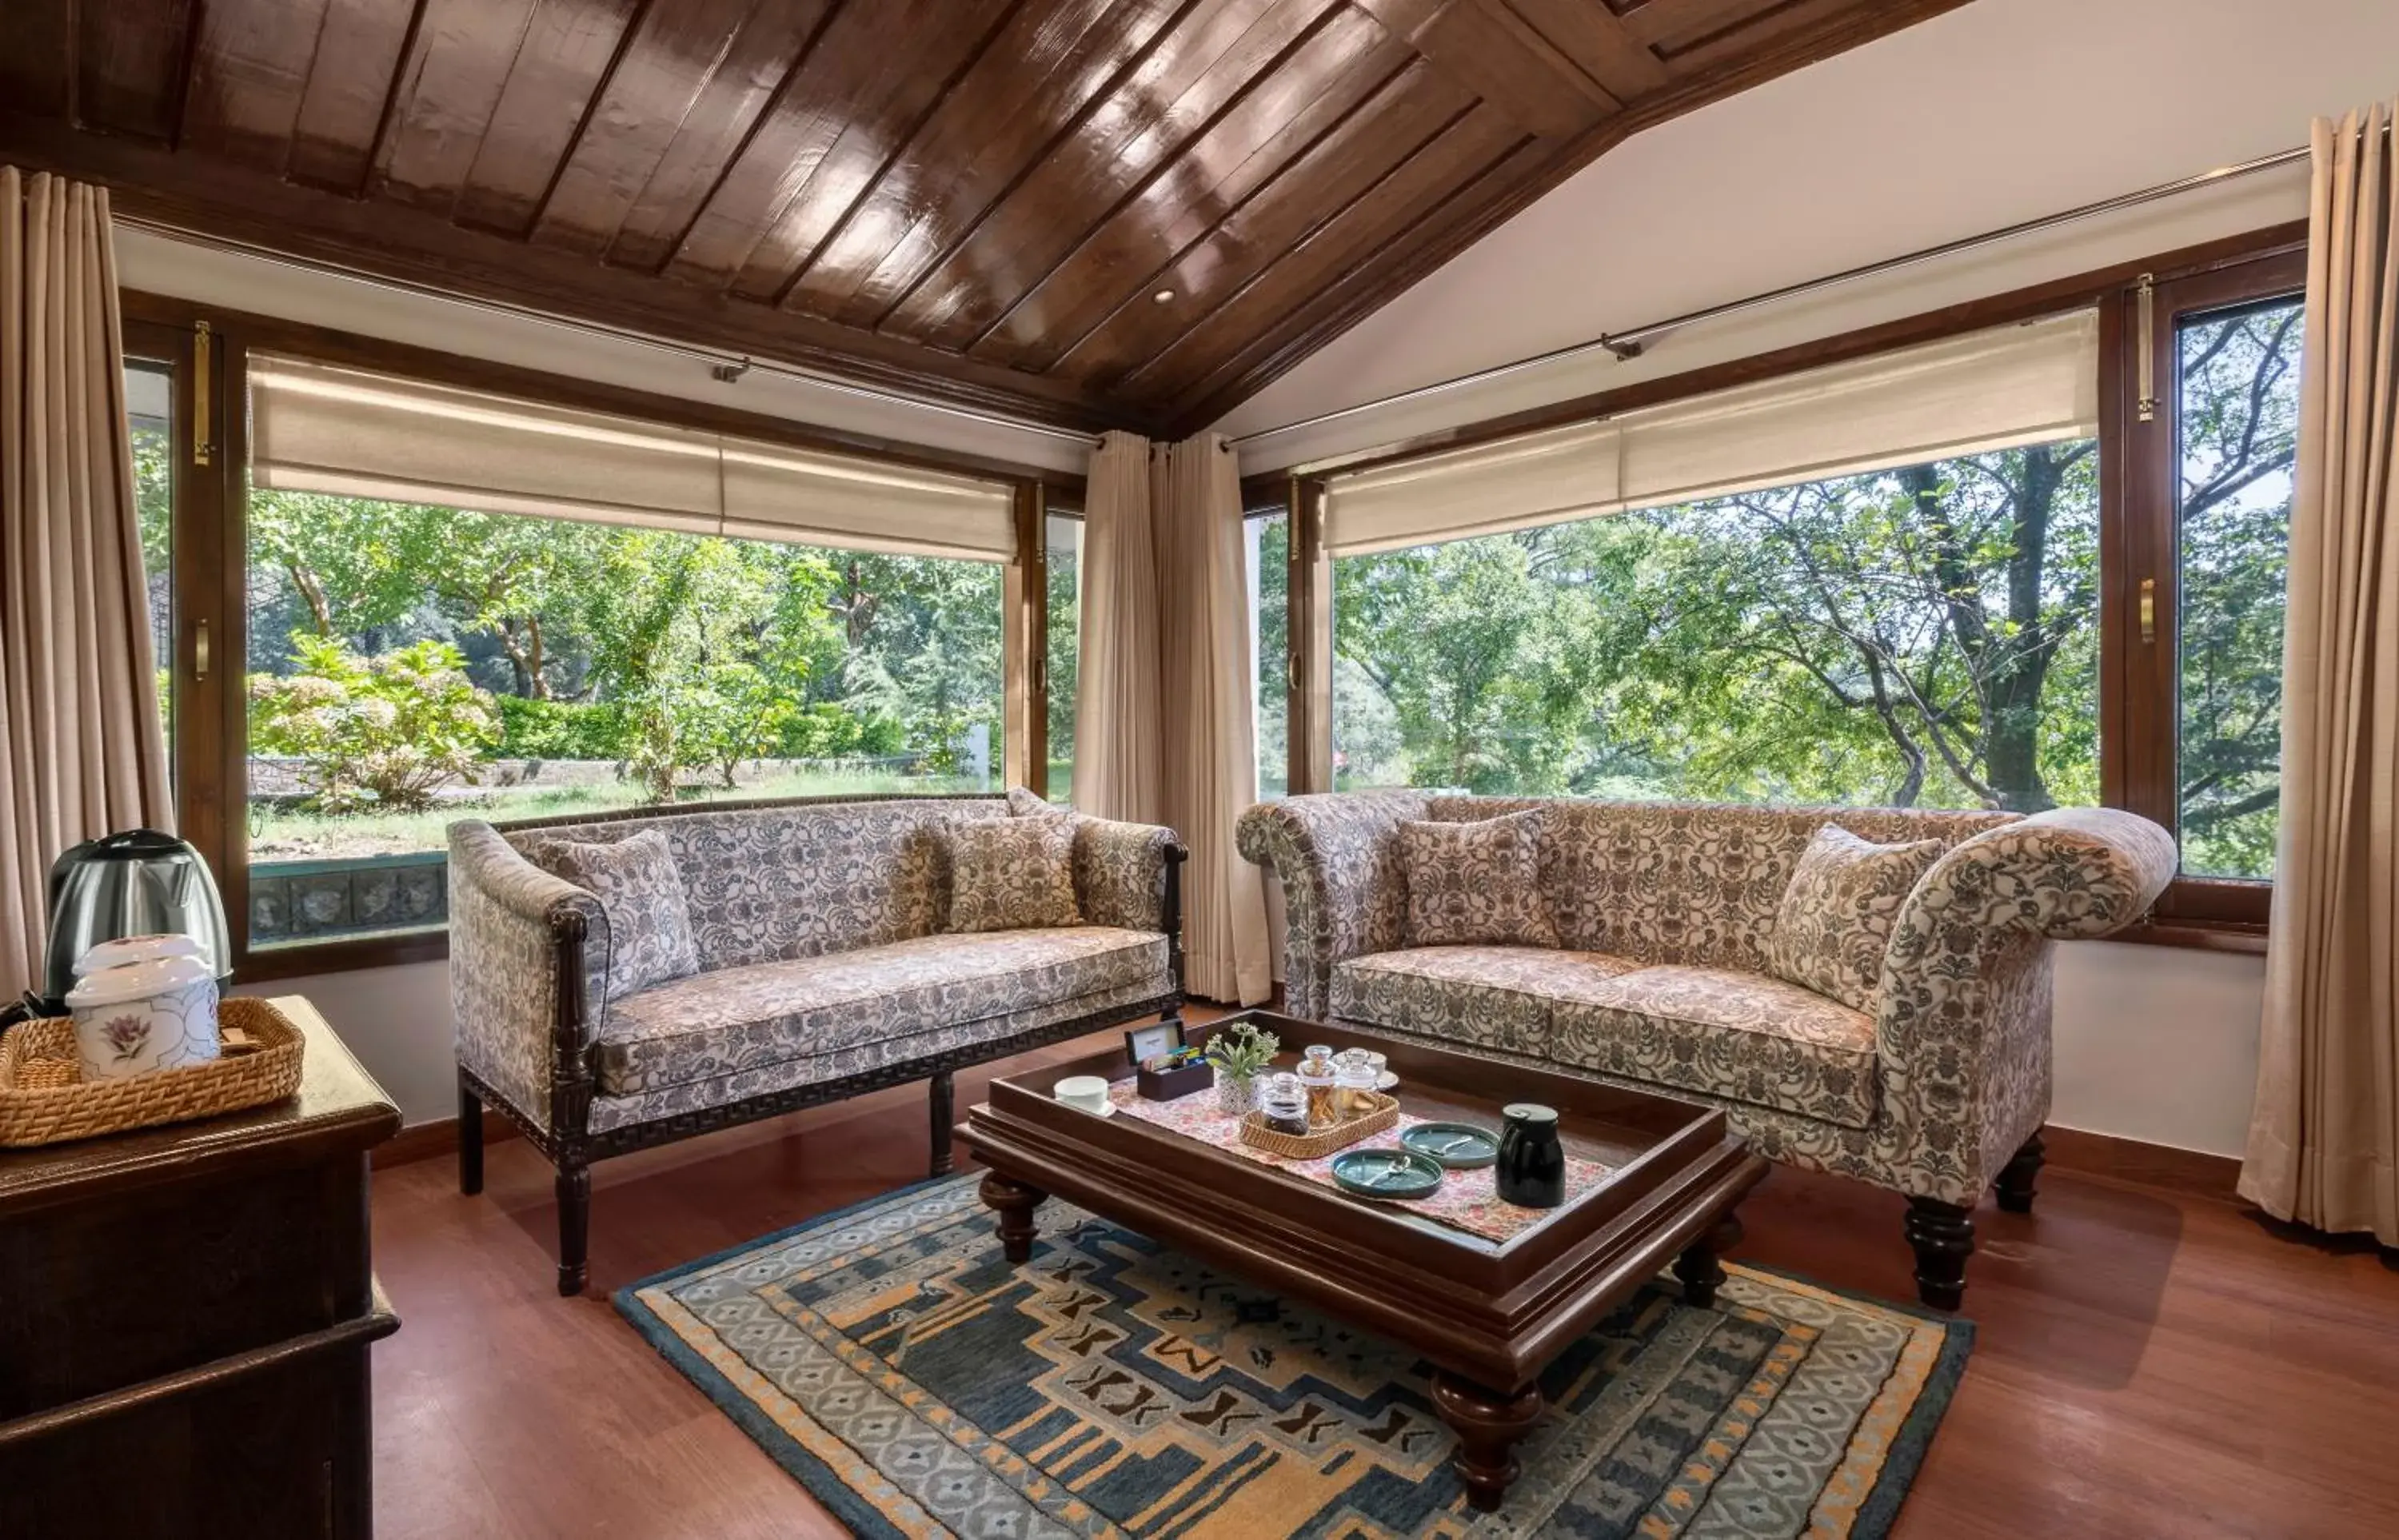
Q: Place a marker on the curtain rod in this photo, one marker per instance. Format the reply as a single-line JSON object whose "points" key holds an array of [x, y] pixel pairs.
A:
{"points": [[724, 364], [1628, 344]]}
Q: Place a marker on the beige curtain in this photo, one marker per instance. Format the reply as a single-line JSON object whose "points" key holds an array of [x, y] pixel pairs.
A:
{"points": [[2323, 1140], [1118, 719], [80, 749], [1206, 680]]}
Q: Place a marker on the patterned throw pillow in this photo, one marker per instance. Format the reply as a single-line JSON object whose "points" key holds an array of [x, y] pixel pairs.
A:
{"points": [[1836, 916], [1476, 884], [649, 924], [1015, 874]]}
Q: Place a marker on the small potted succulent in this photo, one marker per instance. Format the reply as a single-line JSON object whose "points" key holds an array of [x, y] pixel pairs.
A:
{"points": [[1241, 1053]]}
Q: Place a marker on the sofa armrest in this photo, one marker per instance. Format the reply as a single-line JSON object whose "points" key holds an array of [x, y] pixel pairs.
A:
{"points": [[1342, 892], [528, 974], [1963, 1029]]}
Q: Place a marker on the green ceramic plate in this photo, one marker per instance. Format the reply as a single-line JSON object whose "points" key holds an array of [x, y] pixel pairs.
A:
{"points": [[1386, 1173], [1459, 1147]]}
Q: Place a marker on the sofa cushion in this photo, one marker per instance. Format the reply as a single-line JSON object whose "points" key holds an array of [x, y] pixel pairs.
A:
{"points": [[1476, 884], [740, 1019], [1834, 926], [639, 889], [1013, 873], [1490, 996], [1729, 1032]]}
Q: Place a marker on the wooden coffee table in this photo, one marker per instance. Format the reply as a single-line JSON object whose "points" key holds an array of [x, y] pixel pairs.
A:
{"points": [[1490, 1316]]}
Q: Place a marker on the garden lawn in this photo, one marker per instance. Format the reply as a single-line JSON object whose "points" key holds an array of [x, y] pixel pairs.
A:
{"points": [[279, 835]]}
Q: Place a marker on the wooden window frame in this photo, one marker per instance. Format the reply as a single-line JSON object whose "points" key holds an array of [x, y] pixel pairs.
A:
{"points": [[210, 568], [2137, 526], [2142, 547]]}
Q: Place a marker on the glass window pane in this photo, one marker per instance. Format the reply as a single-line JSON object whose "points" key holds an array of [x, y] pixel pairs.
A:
{"points": [[411, 665], [1268, 544], [149, 410], [1062, 648], [1923, 637], [2237, 427]]}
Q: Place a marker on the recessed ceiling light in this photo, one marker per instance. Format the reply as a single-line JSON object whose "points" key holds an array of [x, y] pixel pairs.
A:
{"points": [[1164, 296]]}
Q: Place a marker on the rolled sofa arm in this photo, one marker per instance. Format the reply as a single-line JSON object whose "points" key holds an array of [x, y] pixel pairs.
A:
{"points": [[1963, 1031], [528, 972], [1342, 893]]}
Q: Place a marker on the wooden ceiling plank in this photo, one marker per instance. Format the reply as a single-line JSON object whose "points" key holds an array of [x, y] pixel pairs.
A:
{"points": [[714, 132], [1671, 26], [1410, 118], [1599, 43], [1205, 66], [920, 71], [1493, 53], [571, 47], [251, 60], [831, 86], [1275, 252], [352, 80], [386, 239], [128, 60], [37, 57], [458, 65], [1365, 288], [659, 75], [1344, 63], [1782, 26], [1051, 62]]}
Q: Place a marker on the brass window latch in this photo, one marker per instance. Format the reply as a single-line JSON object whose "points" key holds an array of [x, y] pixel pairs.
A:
{"points": [[2145, 305], [2149, 609], [203, 342]]}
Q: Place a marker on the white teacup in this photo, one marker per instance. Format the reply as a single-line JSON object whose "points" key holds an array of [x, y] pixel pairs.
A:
{"points": [[1086, 1092], [139, 1017]]}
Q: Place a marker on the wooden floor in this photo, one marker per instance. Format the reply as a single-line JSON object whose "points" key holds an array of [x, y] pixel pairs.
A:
{"points": [[2150, 1363]]}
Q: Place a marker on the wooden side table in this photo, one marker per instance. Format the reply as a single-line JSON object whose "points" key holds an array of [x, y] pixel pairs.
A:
{"points": [[184, 1319]]}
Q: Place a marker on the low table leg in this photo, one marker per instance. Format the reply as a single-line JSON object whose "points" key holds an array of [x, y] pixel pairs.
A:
{"points": [[1699, 1265], [1488, 1423], [1014, 1202]]}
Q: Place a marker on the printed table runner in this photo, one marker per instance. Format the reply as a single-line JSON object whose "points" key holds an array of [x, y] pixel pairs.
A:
{"points": [[1465, 1200]]}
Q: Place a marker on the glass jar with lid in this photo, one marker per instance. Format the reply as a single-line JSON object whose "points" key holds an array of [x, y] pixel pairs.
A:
{"points": [[1283, 1102], [1353, 1083], [1317, 1077]]}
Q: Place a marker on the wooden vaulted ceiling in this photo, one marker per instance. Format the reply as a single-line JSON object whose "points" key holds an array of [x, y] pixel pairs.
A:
{"points": [[1118, 213]]}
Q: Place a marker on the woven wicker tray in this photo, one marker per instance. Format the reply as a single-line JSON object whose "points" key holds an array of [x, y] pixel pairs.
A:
{"points": [[1316, 1145], [44, 1099]]}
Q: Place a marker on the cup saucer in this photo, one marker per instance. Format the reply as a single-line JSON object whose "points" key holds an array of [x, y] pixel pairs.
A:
{"points": [[1107, 1109]]}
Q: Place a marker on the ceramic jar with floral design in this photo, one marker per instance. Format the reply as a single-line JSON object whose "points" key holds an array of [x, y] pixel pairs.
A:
{"points": [[139, 1017]]}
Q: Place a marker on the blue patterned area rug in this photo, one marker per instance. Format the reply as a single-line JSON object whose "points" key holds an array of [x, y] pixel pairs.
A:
{"points": [[891, 1359]]}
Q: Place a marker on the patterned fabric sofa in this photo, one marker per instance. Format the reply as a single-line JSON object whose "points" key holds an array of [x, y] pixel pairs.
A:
{"points": [[1664, 913], [824, 971]]}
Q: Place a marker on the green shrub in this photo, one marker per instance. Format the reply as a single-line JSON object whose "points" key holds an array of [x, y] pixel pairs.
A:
{"points": [[372, 732], [562, 729]]}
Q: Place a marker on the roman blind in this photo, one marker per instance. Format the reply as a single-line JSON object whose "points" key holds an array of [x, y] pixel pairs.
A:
{"points": [[317, 427], [2002, 388]]}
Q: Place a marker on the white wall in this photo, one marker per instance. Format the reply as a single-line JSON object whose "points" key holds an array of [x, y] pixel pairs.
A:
{"points": [[2000, 112], [398, 1019]]}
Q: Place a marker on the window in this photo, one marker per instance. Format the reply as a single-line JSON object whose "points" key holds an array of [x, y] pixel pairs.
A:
{"points": [[2038, 566], [150, 410], [1062, 651], [2209, 477], [411, 665], [1918, 636], [448, 601], [1267, 542]]}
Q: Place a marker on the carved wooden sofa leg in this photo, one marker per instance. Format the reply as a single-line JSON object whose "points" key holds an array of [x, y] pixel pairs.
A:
{"points": [[574, 1228], [938, 1092], [1942, 1236], [470, 1140], [2015, 1179]]}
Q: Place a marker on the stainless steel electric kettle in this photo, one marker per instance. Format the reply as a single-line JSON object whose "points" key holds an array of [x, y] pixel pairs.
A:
{"points": [[137, 881]]}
